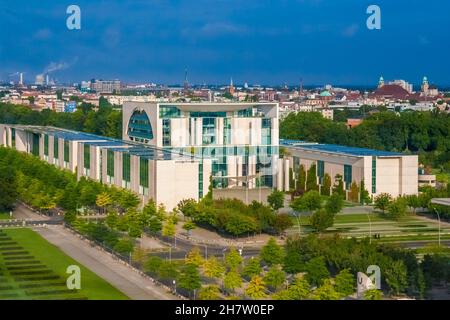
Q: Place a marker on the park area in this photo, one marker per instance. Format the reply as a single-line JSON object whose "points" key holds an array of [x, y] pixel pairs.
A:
{"points": [[33, 269], [408, 228]]}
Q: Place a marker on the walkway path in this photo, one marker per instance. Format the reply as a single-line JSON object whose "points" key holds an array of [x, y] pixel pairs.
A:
{"points": [[115, 272]]}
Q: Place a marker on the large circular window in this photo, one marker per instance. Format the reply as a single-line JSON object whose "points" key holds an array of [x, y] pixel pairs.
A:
{"points": [[139, 127]]}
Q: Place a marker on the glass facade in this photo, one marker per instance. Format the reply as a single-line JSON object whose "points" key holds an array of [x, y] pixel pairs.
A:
{"points": [[226, 131], [209, 131], [13, 137], [200, 180], [166, 132], [347, 176], [139, 127], [320, 170], [266, 129], [126, 170], [87, 156], [167, 112], [110, 165], [143, 176], [66, 151], [35, 146], [55, 148], [374, 174], [46, 145]]}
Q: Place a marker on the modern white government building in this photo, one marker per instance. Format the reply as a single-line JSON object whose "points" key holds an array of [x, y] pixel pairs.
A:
{"points": [[174, 151]]}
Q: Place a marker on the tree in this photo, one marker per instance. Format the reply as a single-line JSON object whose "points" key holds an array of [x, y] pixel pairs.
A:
{"points": [[301, 183], [124, 246], [364, 194], [194, 257], [326, 185], [213, 268], [382, 201], [344, 283], [353, 194], [155, 225], [103, 200], [397, 208], [373, 294], [316, 271], [209, 293], [252, 268], [169, 229], [153, 264], [232, 280], [233, 259], [189, 226], [139, 255], [282, 222], [188, 208], [413, 202], [326, 291], [339, 186], [256, 288], [189, 278], [396, 276], [276, 199], [334, 203], [299, 289], [272, 253], [275, 277], [321, 220], [311, 179], [310, 201]]}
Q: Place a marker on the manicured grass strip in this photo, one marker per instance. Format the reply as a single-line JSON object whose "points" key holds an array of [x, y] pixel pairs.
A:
{"points": [[48, 281], [4, 216]]}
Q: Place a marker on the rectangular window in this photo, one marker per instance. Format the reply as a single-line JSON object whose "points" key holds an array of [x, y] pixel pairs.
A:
{"points": [[266, 138], [55, 148], [226, 131], [35, 146], [13, 138], [320, 170], [46, 145], [374, 174], [209, 131], [347, 176], [166, 112], [126, 169], [110, 165], [66, 151], [200, 180], [87, 156], [166, 132], [143, 176]]}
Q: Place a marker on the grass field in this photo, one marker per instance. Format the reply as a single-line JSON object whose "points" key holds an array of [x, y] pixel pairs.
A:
{"points": [[33, 269], [410, 227], [4, 216]]}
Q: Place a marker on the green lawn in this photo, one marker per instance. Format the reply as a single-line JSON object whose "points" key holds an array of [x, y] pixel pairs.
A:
{"points": [[4, 216], [32, 268]]}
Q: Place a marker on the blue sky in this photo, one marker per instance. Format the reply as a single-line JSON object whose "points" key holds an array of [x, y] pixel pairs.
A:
{"points": [[254, 41]]}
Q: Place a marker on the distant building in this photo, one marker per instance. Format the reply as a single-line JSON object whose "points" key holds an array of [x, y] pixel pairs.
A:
{"points": [[353, 122], [106, 86], [402, 83]]}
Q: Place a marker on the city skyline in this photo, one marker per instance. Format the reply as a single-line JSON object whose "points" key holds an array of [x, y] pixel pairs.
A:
{"points": [[318, 41]]}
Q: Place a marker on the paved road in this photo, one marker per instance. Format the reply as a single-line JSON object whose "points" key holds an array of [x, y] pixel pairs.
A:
{"points": [[22, 212], [116, 273]]}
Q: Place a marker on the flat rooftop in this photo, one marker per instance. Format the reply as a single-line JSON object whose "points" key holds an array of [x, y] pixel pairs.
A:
{"points": [[340, 149], [133, 148]]}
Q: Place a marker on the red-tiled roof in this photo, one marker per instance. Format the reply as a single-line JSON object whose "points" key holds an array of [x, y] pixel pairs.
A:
{"points": [[392, 91]]}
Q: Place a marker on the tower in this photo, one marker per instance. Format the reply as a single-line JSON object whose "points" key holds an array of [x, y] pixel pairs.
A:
{"points": [[425, 85], [186, 83], [381, 82], [231, 89]]}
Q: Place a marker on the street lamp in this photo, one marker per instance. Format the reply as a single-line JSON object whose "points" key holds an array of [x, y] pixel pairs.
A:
{"points": [[174, 285], [439, 226], [370, 228]]}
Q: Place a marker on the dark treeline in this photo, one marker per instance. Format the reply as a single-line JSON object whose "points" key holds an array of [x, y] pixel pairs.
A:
{"points": [[423, 133], [106, 121]]}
